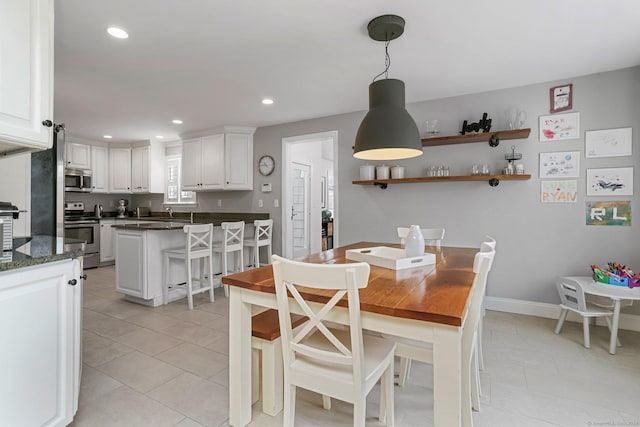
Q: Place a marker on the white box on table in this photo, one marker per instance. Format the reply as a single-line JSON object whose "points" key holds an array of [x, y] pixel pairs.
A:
{"points": [[392, 258]]}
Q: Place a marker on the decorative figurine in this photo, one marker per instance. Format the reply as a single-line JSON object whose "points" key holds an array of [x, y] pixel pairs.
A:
{"points": [[484, 124]]}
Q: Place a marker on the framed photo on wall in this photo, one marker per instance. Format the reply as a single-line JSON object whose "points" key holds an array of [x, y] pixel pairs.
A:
{"points": [[562, 164], [608, 142], [561, 98], [559, 126], [610, 182]]}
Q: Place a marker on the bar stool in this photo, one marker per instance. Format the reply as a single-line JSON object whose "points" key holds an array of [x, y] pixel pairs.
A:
{"points": [[261, 237], [198, 246], [232, 238]]}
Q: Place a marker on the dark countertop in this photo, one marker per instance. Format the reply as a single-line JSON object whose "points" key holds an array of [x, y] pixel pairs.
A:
{"points": [[151, 226], [30, 251], [198, 218]]}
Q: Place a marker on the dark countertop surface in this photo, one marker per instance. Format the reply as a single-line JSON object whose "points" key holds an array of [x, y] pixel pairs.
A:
{"points": [[30, 251], [181, 218]]}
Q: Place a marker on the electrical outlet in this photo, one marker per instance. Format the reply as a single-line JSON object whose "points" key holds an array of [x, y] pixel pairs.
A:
{"points": [[219, 203], [149, 203], [260, 204], [276, 203]]}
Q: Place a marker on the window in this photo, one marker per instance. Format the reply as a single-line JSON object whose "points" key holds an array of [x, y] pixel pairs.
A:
{"points": [[172, 193]]}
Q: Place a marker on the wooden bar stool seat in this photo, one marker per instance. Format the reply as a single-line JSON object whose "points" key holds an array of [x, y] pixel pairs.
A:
{"points": [[267, 353]]}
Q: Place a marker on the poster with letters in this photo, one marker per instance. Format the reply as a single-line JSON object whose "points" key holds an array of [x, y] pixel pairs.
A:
{"points": [[565, 191], [608, 213]]}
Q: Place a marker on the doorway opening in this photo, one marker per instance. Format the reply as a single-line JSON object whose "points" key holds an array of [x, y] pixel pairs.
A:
{"points": [[309, 201]]}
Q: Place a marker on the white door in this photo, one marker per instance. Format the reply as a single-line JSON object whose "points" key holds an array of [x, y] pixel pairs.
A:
{"points": [[212, 162], [299, 210], [78, 155], [120, 170], [140, 169], [191, 164], [100, 167]]}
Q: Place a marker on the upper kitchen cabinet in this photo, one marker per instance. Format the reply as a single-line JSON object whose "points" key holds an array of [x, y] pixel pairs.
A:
{"points": [[147, 168], [26, 75], [219, 161], [120, 170], [78, 156], [100, 169]]}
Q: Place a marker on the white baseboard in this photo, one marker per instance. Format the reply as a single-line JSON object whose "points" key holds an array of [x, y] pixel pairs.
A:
{"points": [[551, 311]]}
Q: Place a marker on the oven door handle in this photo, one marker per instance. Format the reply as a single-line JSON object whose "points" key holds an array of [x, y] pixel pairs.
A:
{"points": [[81, 224]]}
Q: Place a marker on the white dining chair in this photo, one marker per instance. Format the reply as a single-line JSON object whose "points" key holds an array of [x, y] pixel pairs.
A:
{"points": [[409, 350], [262, 230], [231, 244], [341, 363], [489, 242], [198, 243], [432, 236], [572, 298]]}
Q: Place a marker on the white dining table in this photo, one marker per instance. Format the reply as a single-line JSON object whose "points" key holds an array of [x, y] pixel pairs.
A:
{"points": [[616, 293]]}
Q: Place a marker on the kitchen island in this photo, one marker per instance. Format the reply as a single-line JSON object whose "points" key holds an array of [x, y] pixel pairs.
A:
{"points": [[40, 330], [139, 258]]}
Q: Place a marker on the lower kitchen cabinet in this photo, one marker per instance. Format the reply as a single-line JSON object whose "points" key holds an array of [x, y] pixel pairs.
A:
{"points": [[107, 246], [40, 330]]}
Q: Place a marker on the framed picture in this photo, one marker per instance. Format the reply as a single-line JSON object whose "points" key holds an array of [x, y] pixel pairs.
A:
{"points": [[561, 98], [563, 164], [608, 213], [559, 126], [608, 142], [610, 182]]}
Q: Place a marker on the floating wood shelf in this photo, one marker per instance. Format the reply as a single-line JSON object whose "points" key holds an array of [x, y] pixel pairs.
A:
{"points": [[493, 138], [493, 180]]}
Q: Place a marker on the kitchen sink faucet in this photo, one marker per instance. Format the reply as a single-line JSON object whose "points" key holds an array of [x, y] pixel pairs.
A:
{"points": [[168, 209]]}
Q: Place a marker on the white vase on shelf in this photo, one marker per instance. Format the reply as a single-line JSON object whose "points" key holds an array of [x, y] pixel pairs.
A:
{"points": [[414, 242]]}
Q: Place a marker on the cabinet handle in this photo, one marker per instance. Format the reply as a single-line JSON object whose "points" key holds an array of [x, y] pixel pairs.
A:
{"points": [[73, 282], [84, 277], [47, 123]]}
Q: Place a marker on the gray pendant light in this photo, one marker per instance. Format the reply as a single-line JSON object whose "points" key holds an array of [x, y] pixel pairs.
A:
{"points": [[387, 132]]}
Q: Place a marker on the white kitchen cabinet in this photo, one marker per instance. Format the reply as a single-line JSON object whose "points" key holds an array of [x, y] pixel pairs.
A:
{"points": [[120, 170], [203, 163], [131, 275], [221, 161], [15, 174], [148, 168], [26, 74], [238, 161], [78, 156], [100, 169], [40, 311], [107, 239]]}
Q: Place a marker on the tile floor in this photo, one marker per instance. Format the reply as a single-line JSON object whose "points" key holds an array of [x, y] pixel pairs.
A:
{"points": [[167, 366]]}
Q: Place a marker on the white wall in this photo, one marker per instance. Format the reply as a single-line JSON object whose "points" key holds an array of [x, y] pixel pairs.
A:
{"points": [[536, 241]]}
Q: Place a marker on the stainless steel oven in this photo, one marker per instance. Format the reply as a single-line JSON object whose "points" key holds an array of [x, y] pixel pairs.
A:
{"points": [[78, 225]]}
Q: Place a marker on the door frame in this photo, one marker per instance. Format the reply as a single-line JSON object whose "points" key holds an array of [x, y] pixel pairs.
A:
{"points": [[287, 143]]}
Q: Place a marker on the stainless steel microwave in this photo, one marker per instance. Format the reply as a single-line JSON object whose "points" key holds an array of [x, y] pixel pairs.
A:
{"points": [[78, 180]]}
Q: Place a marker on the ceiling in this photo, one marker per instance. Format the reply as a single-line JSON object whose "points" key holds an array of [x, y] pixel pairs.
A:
{"points": [[210, 62]]}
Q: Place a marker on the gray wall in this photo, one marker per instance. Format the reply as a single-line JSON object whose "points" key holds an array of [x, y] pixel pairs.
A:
{"points": [[536, 241]]}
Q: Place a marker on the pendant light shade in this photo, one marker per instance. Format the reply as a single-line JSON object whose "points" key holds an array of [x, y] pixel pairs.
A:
{"points": [[387, 132]]}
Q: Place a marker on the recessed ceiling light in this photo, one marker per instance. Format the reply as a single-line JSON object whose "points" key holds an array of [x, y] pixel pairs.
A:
{"points": [[267, 101], [176, 121], [159, 136], [118, 33], [108, 137]]}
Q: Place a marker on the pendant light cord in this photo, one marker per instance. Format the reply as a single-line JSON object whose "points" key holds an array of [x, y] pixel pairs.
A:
{"points": [[387, 61]]}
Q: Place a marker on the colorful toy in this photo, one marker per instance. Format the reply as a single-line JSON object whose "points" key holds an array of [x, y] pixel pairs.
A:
{"points": [[617, 274]]}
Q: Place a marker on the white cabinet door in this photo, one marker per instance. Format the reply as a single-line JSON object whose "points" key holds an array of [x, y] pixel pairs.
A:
{"points": [[140, 169], [26, 72], [212, 158], [238, 149], [120, 170], [107, 238], [37, 315], [191, 164], [78, 155], [100, 169], [131, 275]]}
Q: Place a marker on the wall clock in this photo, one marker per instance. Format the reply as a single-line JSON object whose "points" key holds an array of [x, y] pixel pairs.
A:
{"points": [[266, 165]]}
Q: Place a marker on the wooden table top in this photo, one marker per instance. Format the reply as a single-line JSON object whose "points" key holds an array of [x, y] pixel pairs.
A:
{"points": [[436, 294]]}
